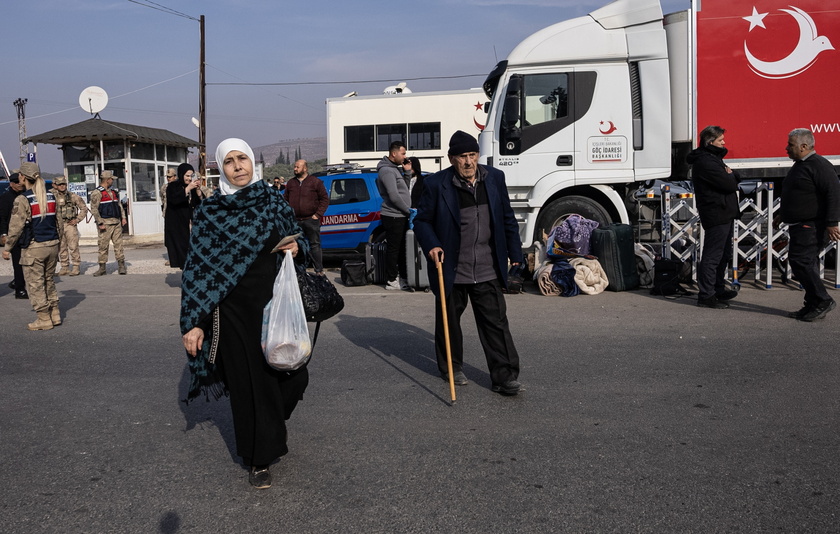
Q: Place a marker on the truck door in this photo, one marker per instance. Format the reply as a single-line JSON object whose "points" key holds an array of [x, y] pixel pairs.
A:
{"points": [[536, 130]]}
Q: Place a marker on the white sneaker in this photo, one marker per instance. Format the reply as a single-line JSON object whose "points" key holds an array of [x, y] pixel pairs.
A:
{"points": [[405, 286], [393, 284]]}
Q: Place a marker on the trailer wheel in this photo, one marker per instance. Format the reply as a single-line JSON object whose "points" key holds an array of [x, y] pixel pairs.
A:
{"points": [[556, 212]]}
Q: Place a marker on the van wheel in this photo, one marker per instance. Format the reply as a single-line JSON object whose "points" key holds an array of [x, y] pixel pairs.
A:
{"points": [[560, 209]]}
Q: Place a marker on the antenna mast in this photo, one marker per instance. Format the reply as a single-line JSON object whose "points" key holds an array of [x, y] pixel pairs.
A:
{"points": [[20, 104]]}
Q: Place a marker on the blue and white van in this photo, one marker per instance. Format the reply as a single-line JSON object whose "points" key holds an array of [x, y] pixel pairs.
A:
{"points": [[353, 218]]}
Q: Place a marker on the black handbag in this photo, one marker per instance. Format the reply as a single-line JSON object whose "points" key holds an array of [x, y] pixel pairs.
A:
{"points": [[667, 275], [320, 297], [353, 273]]}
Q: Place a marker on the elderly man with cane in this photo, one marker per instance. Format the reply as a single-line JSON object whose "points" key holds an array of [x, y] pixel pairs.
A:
{"points": [[466, 227]]}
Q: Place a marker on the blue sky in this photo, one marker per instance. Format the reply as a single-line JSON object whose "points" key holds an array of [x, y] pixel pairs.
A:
{"points": [[147, 59]]}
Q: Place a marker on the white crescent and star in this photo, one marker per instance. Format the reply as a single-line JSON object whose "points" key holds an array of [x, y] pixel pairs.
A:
{"points": [[810, 45]]}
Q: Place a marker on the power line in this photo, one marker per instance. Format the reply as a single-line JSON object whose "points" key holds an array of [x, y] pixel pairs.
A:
{"points": [[159, 7], [351, 81]]}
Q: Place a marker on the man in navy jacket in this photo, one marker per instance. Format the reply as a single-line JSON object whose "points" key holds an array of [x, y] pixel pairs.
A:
{"points": [[465, 221]]}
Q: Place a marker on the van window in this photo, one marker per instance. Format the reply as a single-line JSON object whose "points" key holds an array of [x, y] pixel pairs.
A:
{"points": [[348, 190]]}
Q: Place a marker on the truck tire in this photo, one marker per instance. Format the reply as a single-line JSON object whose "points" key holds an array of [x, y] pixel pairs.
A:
{"points": [[556, 212]]}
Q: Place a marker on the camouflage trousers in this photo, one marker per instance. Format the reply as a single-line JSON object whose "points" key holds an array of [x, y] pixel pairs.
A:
{"points": [[38, 262], [111, 234], [68, 250]]}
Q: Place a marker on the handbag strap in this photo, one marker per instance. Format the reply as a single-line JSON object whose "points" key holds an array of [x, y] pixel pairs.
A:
{"points": [[315, 338]]}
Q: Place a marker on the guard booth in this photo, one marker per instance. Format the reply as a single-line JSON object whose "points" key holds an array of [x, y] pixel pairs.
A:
{"points": [[137, 155]]}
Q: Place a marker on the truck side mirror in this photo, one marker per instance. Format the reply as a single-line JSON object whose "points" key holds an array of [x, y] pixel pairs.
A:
{"points": [[511, 116]]}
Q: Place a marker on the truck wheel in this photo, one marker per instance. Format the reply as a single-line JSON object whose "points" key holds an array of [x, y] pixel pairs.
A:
{"points": [[557, 211]]}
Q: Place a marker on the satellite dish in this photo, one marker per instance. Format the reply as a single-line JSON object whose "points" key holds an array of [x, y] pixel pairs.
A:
{"points": [[93, 99], [400, 88]]}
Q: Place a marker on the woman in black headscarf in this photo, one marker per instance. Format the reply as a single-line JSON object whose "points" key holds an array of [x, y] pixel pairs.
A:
{"points": [[179, 208]]}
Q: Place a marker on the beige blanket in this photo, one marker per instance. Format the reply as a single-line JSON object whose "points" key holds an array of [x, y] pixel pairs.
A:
{"points": [[543, 279], [589, 276]]}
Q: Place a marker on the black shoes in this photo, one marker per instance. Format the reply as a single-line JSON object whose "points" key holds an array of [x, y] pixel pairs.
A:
{"points": [[510, 388], [727, 294], [798, 314], [21, 294], [712, 302], [812, 313], [260, 477], [458, 377]]}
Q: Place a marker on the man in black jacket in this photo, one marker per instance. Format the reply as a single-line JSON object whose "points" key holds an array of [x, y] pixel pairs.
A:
{"points": [[811, 208], [716, 189], [7, 202]]}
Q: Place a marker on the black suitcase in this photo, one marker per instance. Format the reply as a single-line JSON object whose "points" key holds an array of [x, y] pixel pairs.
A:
{"points": [[613, 245], [375, 261]]}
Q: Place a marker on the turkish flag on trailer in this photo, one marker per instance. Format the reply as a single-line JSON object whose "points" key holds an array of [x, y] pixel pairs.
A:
{"points": [[765, 67]]}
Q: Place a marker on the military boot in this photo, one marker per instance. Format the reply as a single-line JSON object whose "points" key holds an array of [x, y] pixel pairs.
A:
{"points": [[65, 270], [101, 270], [55, 315], [75, 271], [121, 267], [42, 323]]}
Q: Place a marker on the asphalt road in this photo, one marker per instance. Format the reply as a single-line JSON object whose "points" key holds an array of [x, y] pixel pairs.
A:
{"points": [[641, 415]]}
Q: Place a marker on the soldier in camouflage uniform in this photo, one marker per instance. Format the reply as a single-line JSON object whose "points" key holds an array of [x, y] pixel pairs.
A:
{"points": [[109, 215], [71, 209], [35, 226]]}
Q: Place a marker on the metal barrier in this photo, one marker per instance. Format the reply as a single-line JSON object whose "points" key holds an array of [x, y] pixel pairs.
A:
{"points": [[681, 238], [757, 243]]}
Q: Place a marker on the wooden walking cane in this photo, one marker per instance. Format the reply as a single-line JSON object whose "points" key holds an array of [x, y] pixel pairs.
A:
{"points": [[439, 266]]}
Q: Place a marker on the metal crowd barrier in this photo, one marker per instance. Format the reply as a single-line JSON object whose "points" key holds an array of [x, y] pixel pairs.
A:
{"points": [[757, 243]]}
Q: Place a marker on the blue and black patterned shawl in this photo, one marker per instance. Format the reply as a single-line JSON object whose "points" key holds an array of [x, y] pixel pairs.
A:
{"points": [[228, 232]]}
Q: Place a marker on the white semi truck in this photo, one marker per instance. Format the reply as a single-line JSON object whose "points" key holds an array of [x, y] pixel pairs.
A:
{"points": [[583, 111]]}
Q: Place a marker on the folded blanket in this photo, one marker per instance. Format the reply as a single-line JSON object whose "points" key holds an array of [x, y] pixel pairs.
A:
{"points": [[563, 274], [589, 276], [543, 278]]}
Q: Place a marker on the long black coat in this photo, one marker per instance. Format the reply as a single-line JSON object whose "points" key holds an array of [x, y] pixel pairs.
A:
{"points": [[715, 189], [176, 225]]}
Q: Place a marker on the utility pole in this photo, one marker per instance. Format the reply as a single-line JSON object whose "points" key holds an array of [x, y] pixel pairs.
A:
{"points": [[202, 116], [20, 104]]}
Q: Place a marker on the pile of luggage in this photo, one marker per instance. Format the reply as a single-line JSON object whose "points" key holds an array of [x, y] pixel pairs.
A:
{"points": [[579, 256]]}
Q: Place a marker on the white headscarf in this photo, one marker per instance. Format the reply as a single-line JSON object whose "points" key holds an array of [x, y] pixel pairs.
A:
{"points": [[222, 151]]}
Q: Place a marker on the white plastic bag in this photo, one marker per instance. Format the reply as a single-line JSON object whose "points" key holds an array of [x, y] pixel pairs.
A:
{"points": [[285, 336]]}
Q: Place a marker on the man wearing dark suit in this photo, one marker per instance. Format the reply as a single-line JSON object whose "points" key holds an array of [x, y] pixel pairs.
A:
{"points": [[465, 221]]}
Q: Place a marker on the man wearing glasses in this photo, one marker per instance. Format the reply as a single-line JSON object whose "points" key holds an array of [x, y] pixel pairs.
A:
{"points": [[71, 208]]}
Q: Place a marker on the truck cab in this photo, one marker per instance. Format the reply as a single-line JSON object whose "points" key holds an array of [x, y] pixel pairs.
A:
{"points": [[578, 111]]}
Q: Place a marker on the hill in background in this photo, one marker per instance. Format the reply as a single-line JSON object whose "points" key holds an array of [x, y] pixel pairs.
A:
{"points": [[311, 149]]}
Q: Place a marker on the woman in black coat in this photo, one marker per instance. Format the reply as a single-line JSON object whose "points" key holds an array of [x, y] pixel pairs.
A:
{"points": [[716, 193], [181, 198]]}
